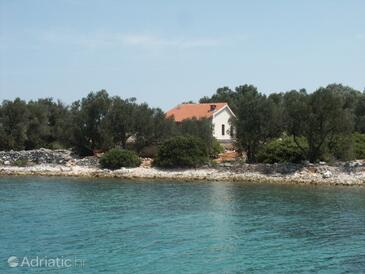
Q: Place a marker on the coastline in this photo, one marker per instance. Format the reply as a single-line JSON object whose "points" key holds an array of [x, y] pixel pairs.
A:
{"points": [[302, 176]]}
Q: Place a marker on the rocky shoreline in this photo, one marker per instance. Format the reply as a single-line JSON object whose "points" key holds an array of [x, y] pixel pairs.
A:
{"points": [[44, 162]]}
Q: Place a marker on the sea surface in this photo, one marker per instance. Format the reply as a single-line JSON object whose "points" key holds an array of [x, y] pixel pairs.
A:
{"points": [[118, 226]]}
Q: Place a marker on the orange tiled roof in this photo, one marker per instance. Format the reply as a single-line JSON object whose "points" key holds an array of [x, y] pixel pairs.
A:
{"points": [[189, 111]]}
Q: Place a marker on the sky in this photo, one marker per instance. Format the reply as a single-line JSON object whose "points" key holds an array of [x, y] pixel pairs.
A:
{"points": [[168, 52]]}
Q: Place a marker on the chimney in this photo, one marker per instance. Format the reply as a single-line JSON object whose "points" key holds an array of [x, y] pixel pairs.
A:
{"points": [[213, 107]]}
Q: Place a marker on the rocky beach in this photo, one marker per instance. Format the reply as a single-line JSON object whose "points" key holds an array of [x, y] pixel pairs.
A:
{"points": [[45, 162]]}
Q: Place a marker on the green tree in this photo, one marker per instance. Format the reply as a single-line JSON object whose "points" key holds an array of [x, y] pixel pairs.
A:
{"points": [[59, 123], [14, 117], [120, 120], [360, 113], [38, 130], [152, 127], [255, 119], [87, 119], [319, 117]]}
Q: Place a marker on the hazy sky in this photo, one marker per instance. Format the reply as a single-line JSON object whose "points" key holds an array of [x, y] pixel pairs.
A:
{"points": [[166, 52]]}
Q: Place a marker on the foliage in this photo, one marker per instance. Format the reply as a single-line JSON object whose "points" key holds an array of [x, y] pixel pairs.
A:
{"points": [[255, 122], [340, 147], [33, 125], [182, 151], [319, 117], [87, 119], [14, 117], [21, 163], [225, 94], [200, 128], [358, 140], [215, 149], [324, 118], [117, 158], [327, 119], [282, 150]]}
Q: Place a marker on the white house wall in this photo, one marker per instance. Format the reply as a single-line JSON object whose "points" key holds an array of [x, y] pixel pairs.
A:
{"points": [[219, 119]]}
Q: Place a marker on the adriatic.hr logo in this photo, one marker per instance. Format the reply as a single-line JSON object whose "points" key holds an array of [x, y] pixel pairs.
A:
{"points": [[44, 261]]}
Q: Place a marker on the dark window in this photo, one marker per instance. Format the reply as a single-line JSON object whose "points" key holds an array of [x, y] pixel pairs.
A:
{"points": [[223, 130], [231, 131]]}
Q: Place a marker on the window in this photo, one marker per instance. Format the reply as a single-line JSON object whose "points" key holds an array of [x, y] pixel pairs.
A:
{"points": [[223, 130], [231, 131]]}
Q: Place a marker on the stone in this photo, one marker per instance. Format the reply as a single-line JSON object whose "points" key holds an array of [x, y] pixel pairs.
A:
{"points": [[7, 163], [327, 174]]}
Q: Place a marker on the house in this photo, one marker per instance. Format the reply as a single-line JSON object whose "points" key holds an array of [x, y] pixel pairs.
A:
{"points": [[219, 113]]}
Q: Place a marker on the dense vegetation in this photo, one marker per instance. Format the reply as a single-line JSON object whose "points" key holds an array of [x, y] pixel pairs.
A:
{"points": [[96, 122], [324, 119], [328, 124], [117, 158], [182, 151]]}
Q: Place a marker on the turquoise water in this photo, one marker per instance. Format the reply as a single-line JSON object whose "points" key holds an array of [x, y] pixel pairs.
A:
{"points": [[115, 226]]}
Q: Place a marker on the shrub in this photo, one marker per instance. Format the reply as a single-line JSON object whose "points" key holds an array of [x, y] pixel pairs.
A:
{"points": [[55, 145], [21, 162], [215, 149], [358, 141], [117, 158], [340, 148], [282, 150], [182, 151]]}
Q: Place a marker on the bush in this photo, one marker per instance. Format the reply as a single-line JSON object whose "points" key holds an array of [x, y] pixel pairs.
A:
{"points": [[21, 162], [282, 150], [340, 148], [182, 151], [215, 149], [358, 141], [117, 158]]}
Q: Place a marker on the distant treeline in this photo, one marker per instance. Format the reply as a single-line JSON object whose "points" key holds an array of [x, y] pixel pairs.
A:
{"points": [[290, 126], [96, 122]]}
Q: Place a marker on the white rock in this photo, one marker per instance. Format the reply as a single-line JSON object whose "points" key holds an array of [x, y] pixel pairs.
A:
{"points": [[7, 163], [327, 174]]}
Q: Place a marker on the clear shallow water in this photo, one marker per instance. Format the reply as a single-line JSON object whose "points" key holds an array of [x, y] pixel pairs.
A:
{"points": [[161, 227]]}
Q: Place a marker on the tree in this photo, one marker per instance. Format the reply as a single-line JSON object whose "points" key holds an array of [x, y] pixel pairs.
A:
{"points": [[120, 120], [360, 113], [225, 94], [126, 119], [13, 124], [58, 121], [152, 126], [87, 119], [296, 114], [38, 130], [319, 117], [255, 119], [200, 128]]}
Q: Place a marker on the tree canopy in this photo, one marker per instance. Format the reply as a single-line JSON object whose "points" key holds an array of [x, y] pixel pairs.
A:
{"points": [[329, 121]]}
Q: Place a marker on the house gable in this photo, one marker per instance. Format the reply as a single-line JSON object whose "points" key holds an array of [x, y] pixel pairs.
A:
{"points": [[222, 128]]}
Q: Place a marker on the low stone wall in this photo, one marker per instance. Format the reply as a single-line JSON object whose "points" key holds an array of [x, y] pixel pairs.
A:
{"points": [[45, 156], [39, 156]]}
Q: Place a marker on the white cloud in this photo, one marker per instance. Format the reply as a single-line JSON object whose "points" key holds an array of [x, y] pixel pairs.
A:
{"points": [[148, 41], [156, 41]]}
